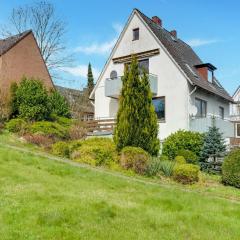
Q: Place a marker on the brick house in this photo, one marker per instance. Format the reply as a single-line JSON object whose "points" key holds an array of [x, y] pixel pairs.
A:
{"points": [[20, 56]]}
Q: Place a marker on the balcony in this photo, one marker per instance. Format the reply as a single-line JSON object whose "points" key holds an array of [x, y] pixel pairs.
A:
{"points": [[113, 86], [202, 124]]}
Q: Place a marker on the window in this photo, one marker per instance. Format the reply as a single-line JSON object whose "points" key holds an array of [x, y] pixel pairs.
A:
{"points": [[135, 34], [143, 65], [210, 76], [159, 105], [221, 112], [201, 107], [113, 74], [238, 130]]}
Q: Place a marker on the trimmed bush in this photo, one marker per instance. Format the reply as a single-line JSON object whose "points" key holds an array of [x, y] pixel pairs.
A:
{"points": [[186, 173], [134, 158], [189, 156], [188, 140], [96, 152], [51, 129], [180, 160], [16, 125], [61, 149], [231, 169]]}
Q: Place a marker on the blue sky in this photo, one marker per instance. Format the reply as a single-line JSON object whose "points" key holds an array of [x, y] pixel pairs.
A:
{"points": [[211, 27]]}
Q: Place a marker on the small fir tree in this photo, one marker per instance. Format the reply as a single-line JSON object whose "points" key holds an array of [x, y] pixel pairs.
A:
{"points": [[90, 83], [214, 149], [136, 119]]}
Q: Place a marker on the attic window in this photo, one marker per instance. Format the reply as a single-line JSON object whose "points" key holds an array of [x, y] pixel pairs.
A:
{"points": [[135, 34], [190, 69]]}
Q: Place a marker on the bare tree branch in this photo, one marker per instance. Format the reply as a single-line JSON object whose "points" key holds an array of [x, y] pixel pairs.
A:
{"points": [[48, 29]]}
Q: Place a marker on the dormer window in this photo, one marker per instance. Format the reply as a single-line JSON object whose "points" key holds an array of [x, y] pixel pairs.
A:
{"points": [[135, 34], [206, 70]]}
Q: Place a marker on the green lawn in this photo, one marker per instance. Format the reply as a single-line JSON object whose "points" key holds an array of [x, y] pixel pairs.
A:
{"points": [[44, 199]]}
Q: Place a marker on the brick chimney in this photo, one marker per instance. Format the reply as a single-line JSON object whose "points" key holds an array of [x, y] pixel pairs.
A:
{"points": [[157, 20], [206, 70], [174, 33]]}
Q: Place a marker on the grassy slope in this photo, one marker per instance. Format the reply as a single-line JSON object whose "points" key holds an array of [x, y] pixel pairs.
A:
{"points": [[43, 199]]}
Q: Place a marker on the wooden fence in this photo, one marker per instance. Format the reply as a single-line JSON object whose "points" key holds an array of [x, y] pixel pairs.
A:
{"points": [[100, 126]]}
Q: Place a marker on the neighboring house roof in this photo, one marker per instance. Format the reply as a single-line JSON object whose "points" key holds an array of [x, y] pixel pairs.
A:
{"points": [[78, 99], [185, 57], [7, 43], [236, 92]]}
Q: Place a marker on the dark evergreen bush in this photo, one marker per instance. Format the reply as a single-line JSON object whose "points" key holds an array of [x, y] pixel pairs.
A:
{"points": [[213, 151], [189, 156], [30, 100], [58, 104], [231, 169]]}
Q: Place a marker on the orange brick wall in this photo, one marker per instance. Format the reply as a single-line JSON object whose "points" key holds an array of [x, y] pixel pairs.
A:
{"points": [[24, 59]]}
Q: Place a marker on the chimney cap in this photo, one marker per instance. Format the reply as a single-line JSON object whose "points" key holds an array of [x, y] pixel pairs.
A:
{"points": [[208, 65], [174, 33], [157, 20]]}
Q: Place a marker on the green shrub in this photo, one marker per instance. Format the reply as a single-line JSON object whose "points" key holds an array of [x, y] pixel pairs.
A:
{"points": [[180, 160], [189, 156], [16, 125], [96, 152], [188, 140], [157, 166], [58, 104], [66, 122], [61, 149], [51, 129], [31, 99], [164, 158], [186, 173], [231, 169], [134, 158]]}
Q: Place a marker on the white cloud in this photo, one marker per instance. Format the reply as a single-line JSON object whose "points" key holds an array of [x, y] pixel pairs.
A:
{"points": [[104, 47], [197, 42], [81, 71]]}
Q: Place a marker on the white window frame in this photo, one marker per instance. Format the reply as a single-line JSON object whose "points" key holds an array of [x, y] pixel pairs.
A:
{"points": [[236, 126]]}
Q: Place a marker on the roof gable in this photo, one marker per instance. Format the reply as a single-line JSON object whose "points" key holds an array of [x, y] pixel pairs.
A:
{"points": [[185, 57], [7, 43]]}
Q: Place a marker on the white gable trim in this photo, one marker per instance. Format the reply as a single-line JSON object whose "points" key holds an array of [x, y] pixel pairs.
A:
{"points": [[236, 92], [112, 53], [120, 38]]}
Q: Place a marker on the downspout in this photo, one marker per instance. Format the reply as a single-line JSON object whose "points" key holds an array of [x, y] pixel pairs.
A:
{"points": [[189, 102]]}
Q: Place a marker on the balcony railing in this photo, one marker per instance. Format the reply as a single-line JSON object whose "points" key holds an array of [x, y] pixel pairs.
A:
{"points": [[202, 125], [113, 86]]}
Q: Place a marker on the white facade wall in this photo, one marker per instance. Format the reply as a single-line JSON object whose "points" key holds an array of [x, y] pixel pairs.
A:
{"points": [[213, 103], [171, 82]]}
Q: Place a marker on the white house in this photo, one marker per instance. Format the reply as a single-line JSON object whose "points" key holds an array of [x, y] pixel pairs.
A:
{"points": [[235, 114], [185, 92]]}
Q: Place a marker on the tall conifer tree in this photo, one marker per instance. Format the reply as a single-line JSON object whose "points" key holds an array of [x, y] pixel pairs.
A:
{"points": [[136, 120], [90, 83]]}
